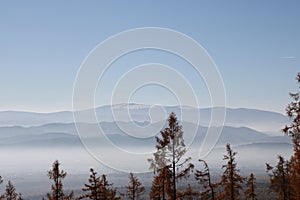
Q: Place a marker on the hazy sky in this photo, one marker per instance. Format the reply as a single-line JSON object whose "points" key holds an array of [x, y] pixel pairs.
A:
{"points": [[255, 44]]}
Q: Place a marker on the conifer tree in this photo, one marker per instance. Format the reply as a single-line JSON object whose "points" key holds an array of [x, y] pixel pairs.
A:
{"points": [[57, 176], [135, 189], [93, 188], [158, 188], [204, 179], [107, 191], [231, 179], [293, 130], [99, 188], [280, 177], [251, 185], [10, 192], [170, 149]]}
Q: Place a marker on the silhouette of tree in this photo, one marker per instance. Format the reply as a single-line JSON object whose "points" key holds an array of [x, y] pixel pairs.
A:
{"points": [[99, 188], [170, 149], [107, 191], [293, 130], [10, 192], [231, 180], [204, 179], [251, 185], [280, 177], [93, 188], [135, 189], [57, 187]]}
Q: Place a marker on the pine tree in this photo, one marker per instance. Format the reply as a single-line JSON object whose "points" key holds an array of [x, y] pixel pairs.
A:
{"points": [[57, 187], [231, 180], [293, 130], [251, 185], [170, 149], [204, 179], [280, 177], [10, 192], [135, 189]]}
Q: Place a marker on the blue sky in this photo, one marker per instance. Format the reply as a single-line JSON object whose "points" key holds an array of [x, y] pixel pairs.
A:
{"points": [[255, 44]]}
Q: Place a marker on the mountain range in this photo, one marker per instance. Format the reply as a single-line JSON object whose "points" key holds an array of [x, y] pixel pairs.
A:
{"points": [[260, 120], [36, 139], [242, 127]]}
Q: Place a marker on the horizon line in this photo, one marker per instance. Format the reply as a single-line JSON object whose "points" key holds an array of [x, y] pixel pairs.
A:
{"points": [[106, 105]]}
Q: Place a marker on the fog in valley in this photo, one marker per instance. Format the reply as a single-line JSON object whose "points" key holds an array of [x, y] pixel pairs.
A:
{"points": [[27, 152]]}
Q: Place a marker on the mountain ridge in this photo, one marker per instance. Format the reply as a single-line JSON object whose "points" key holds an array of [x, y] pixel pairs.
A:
{"points": [[261, 120]]}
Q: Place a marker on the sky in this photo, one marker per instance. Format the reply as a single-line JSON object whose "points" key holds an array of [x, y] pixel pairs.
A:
{"points": [[255, 45]]}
